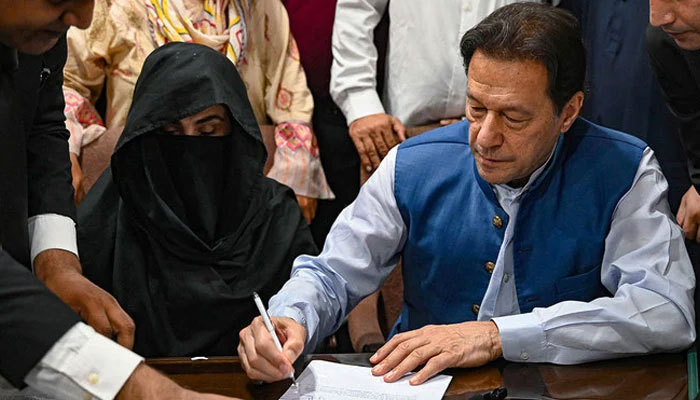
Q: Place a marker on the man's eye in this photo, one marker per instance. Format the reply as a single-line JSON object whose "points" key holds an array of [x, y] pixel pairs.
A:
{"points": [[477, 110]]}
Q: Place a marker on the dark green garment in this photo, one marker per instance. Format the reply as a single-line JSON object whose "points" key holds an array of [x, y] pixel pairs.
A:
{"points": [[182, 230]]}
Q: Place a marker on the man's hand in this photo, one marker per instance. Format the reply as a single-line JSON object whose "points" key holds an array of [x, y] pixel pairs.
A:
{"points": [[61, 272], [146, 383], [260, 358], [469, 344], [308, 207], [688, 216], [374, 135], [77, 174]]}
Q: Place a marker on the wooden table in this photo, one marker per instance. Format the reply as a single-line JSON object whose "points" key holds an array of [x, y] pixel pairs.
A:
{"points": [[661, 376]]}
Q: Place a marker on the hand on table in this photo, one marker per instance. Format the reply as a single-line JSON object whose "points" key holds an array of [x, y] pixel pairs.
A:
{"points": [[260, 358], [469, 344], [61, 272], [146, 383], [308, 207], [374, 135], [688, 216]]}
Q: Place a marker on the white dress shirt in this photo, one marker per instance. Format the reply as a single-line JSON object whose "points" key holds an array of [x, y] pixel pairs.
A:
{"points": [[424, 78], [645, 266], [82, 364]]}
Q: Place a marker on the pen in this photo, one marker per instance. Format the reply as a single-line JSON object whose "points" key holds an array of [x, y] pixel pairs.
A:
{"points": [[270, 328]]}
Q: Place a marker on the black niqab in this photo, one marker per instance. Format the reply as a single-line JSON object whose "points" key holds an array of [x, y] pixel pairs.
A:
{"points": [[182, 230]]}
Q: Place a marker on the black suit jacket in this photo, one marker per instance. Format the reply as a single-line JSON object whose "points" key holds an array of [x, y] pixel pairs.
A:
{"points": [[678, 72], [34, 179]]}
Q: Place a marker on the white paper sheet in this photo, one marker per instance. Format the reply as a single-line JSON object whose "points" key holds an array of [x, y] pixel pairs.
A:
{"points": [[324, 380]]}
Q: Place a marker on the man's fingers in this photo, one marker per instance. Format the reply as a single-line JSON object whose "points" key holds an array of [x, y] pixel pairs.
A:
{"points": [[121, 323], [690, 228], [384, 351], [378, 138], [262, 364], [389, 138], [371, 152], [434, 366], [417, 357], [253, 372], [244, 359], [361, 151], [307, 214], [312, 210], [398, 354], [291, 349], [389, 346], [398, 128], [312, 206], [97, 319], [680, 217]]}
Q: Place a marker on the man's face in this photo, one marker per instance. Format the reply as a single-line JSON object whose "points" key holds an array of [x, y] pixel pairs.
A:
{"points": [[678, 18], [214, 121], [512, 123], [34, 26]]}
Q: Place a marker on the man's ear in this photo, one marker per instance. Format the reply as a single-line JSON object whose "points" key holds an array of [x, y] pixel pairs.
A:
{"points": [[571, 110]]}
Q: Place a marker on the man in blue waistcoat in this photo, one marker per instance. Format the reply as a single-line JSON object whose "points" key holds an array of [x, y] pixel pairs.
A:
{"points": [[526, 232]]}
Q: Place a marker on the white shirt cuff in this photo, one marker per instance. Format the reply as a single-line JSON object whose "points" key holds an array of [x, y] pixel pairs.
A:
{"points": [[360, 103], [83, 365], [522, 338], [52, 231]]}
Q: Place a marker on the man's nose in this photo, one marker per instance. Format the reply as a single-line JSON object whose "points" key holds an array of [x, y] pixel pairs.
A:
{"points": [[661, 12], [489, 134], [78, 13]]}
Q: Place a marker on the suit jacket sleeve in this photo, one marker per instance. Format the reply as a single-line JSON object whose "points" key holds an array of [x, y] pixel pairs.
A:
{"points": [[48, 162], [32, 319]]}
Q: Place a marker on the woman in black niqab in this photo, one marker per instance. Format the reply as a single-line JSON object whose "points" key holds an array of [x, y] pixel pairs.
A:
{"points": [[182, 229]]}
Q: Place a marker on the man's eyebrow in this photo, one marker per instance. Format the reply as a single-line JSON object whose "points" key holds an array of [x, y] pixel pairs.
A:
{"points": [[472, 97], [209, 118], [507, 107]]}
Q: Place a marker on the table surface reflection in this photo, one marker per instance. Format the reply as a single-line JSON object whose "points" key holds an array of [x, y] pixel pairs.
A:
{"points": [[662, 376]]}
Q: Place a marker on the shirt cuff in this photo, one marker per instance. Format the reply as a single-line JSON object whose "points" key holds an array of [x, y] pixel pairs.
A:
{"points": [[522, 338], [361, 103], [52, 231], [83, 364]]}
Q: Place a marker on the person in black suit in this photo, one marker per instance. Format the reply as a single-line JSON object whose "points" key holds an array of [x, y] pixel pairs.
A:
{"points": [[42, 341], [673, 43]]}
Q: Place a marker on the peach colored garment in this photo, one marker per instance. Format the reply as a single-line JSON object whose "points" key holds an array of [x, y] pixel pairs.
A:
{"points": [[110, 53]]}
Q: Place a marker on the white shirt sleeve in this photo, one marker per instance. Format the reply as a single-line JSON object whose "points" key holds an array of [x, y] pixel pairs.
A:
{"points": [[51, 231], [361, 249], [83, 365], [645, 266], [354, 71]]}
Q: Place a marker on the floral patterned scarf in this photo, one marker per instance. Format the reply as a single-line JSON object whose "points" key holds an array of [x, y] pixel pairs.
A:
{"points": [[219, 24]]}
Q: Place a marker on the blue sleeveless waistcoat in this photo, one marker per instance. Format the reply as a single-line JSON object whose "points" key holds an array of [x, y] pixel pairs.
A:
{"points": [[452, 218]]}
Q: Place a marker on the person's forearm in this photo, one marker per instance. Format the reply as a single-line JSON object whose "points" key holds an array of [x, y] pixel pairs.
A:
{"points": [[361, 250], [33, 319], [354, 71]]}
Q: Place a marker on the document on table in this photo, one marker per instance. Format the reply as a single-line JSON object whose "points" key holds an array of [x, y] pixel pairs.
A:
{"points": [[324, 380]]}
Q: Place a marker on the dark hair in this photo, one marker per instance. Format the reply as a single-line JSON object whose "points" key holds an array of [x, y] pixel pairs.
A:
{"points": [[537, 32]]}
